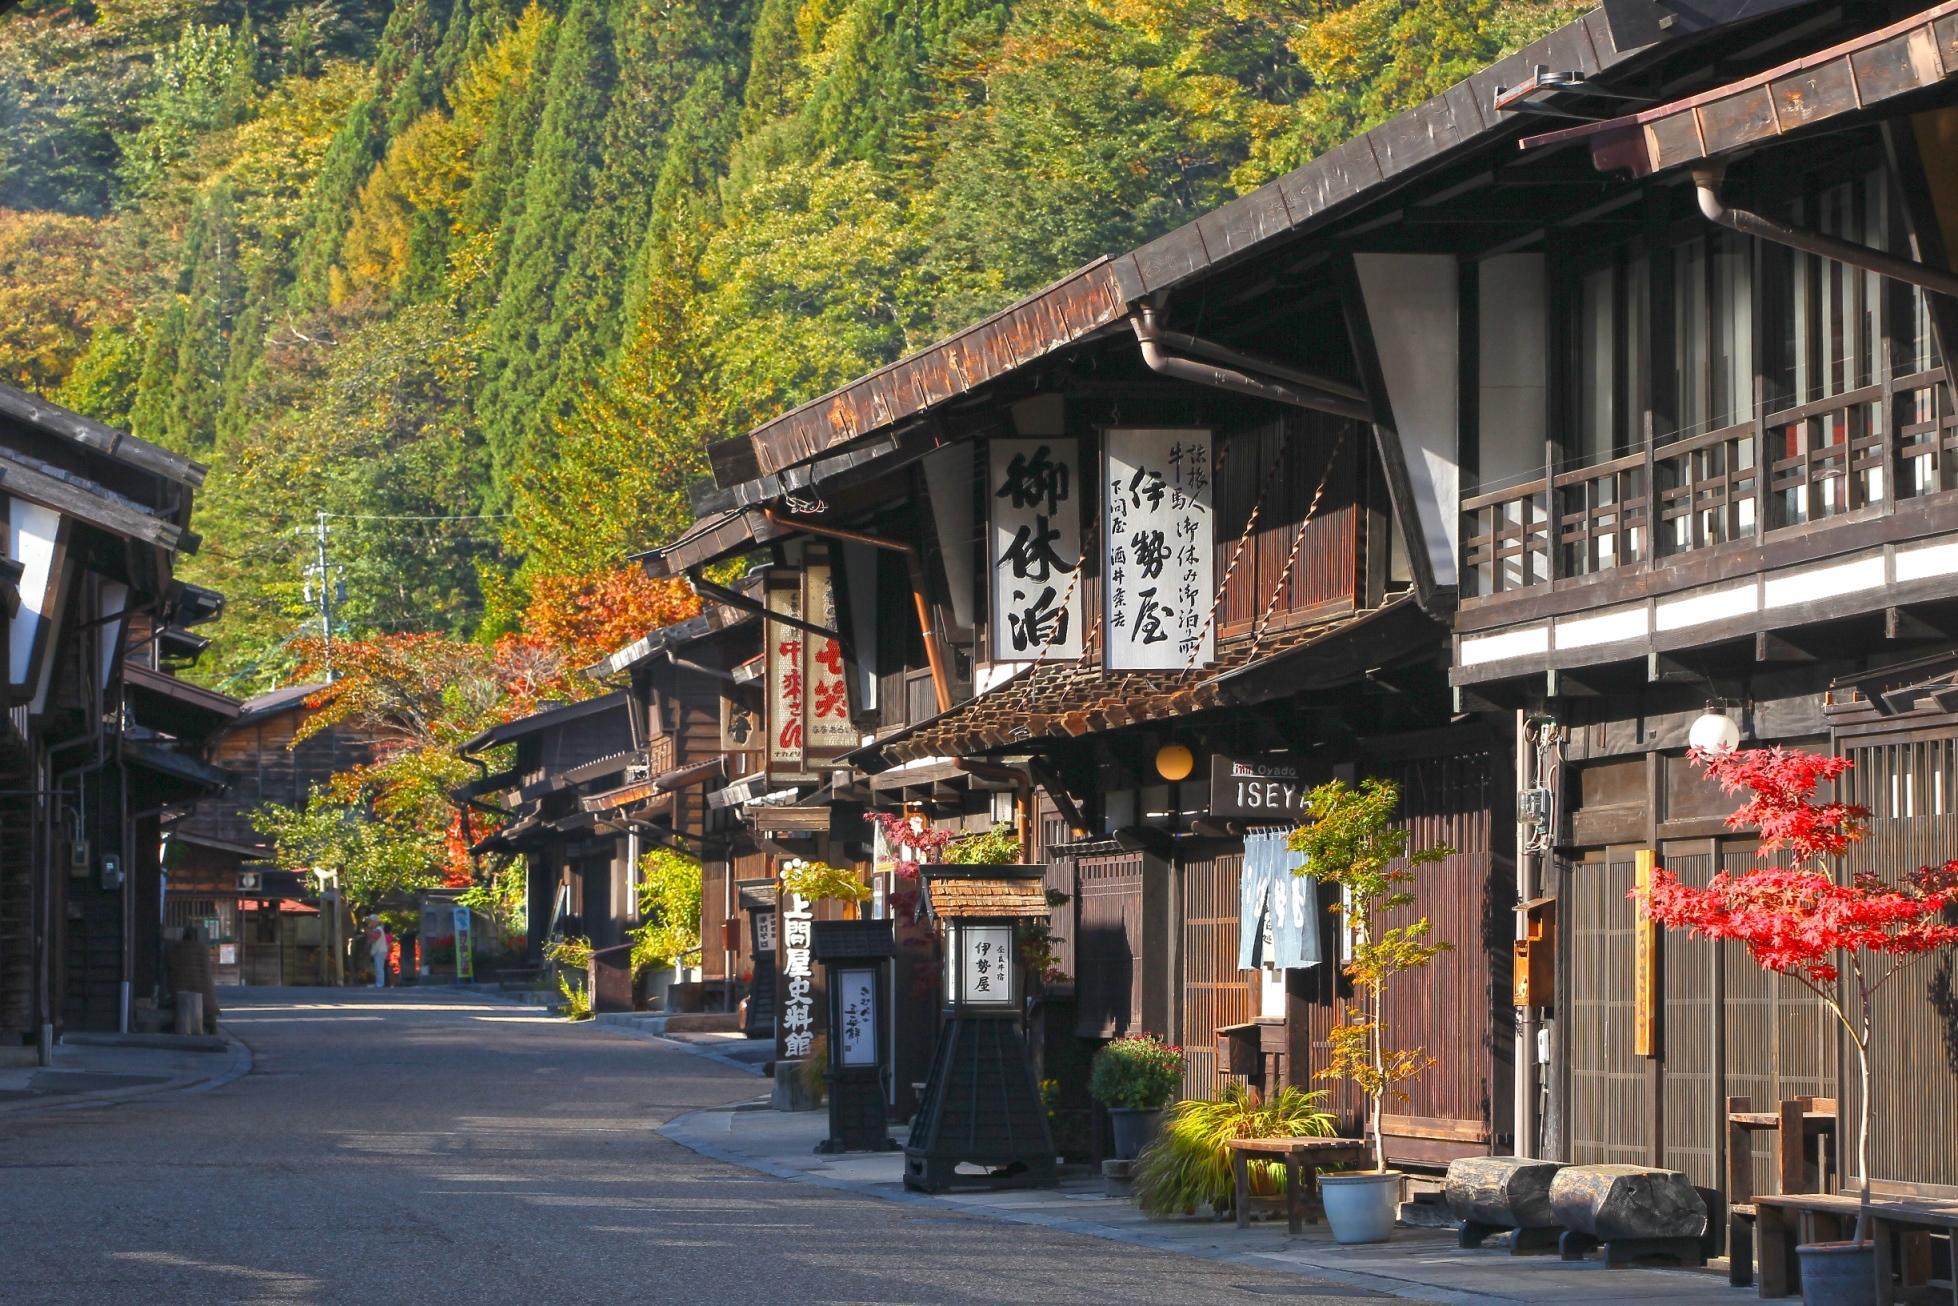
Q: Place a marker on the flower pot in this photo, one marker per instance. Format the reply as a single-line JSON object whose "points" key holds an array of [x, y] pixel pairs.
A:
{"points": [[1838, 1274], [1135, 1129], [1361, 1208]]}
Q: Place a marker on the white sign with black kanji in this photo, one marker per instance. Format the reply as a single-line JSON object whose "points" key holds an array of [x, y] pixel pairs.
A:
{"points": [[1160, 547], [1035, 552]]}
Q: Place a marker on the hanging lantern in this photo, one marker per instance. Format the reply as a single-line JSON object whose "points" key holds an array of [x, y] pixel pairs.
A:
{"points": [[1715, 731]]}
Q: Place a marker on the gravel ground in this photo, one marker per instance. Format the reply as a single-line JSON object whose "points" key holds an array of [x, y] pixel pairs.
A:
{"points": [[421, 1147]]}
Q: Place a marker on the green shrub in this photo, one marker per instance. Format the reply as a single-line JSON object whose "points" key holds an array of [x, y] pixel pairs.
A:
{"points": [[1140, 1071], [669, 907], [1189, 1164], [577, 1002]]}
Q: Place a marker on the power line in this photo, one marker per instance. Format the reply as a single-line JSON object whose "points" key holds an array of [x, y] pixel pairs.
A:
{"points": [[453, 516]]}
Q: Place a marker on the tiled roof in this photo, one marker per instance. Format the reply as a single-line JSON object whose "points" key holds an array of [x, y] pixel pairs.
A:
{"points": [[1077, 697], [976, 897]]}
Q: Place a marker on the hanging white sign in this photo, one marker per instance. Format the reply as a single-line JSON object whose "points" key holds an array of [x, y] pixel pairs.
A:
{"points": [[856, 998], [1160, 549], [765, 931], [782, 644], [1034, 487]]}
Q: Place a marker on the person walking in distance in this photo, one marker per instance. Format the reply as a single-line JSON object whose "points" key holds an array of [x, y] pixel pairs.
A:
{"points": [[378, 946]]}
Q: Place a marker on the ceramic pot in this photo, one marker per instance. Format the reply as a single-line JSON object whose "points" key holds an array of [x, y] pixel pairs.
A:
{"points": [[1361, 1208], [1838, 1274], [1135, 1129]]}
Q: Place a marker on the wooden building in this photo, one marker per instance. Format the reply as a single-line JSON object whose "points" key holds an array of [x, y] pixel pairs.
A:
{"points": [[580, 869], [220, 871], [98, 748]]}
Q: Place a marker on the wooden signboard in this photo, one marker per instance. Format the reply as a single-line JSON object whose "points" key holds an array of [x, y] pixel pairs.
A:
{"points": [[1645, 962], [1159, 541], [783, 686], [1034, 489], [826, 730]]}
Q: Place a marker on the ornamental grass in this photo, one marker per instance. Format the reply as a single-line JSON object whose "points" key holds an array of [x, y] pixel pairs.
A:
{"points": [[1189, 1164]]}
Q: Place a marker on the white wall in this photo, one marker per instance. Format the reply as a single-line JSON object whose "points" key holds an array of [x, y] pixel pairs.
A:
{"points": [[1413, 305], [1513, 354]]}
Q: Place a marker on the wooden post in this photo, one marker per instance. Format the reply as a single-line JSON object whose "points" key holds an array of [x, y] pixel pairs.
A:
{"points": [[1645, 962]]}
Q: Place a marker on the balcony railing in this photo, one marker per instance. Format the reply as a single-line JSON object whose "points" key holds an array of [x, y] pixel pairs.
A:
{"points": [[1851, 454]]}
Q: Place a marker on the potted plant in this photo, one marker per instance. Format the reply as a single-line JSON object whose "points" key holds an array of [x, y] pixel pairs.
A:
{"points": [[1135, 1078], [1842, 942], [1350, 840], [1189, 1164]]}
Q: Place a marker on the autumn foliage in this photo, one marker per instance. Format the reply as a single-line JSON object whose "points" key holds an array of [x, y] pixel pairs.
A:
{"points": [[591, 615], [1844, 942]]}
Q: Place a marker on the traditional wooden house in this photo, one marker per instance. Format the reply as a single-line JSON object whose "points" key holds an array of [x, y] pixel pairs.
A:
{"points": [[580, 869], [93, 522], [220, 871]]}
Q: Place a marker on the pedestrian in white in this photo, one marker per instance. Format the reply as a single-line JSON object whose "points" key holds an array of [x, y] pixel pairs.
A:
{"points": [[377, 948]]}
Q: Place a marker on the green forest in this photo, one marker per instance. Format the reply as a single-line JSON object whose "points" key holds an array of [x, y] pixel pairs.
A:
{"points": [[472, 284]]}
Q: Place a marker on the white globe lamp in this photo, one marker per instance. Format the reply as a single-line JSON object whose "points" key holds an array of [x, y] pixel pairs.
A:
{"points": [[1715, 731]]}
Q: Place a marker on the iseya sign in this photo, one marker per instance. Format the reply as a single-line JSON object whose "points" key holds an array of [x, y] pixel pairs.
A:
{"points": [[1256, 789], [1160, 545]]}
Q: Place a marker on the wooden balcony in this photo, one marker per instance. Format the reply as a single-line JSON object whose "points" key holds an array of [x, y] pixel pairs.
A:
{"points": [[1660, 517]]}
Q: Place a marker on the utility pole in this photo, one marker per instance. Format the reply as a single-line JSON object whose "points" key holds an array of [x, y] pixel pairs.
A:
{"points": [[322, 576]]}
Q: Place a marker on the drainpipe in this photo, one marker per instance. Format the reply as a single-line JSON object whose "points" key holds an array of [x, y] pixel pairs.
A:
{"points": [[707, 589], [1707, 179], [1243, 374], [941, 684]]}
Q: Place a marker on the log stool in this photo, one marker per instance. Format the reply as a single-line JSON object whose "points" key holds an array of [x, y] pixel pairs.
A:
{"points": [[1633, 1212], [1494, 1194]]}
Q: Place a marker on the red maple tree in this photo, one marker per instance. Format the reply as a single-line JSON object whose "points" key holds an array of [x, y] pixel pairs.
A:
{"points": [[1842, 942]]}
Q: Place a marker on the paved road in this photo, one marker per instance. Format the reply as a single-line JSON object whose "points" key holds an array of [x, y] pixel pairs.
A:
{"points": [[421, 1147]]}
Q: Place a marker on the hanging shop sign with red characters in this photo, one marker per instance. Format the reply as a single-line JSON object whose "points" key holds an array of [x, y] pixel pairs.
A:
{"points": [[826, 730], [785, 676]]}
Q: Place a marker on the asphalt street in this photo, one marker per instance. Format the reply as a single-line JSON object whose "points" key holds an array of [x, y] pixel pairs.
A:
{"points": [[424, 1146]]}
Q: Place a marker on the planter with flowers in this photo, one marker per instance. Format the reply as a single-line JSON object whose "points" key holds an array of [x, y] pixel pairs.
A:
{"points": [[1135, 1078]]}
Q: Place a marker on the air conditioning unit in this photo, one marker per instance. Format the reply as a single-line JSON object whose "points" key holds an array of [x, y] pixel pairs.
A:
{"points": [[248, 882]]}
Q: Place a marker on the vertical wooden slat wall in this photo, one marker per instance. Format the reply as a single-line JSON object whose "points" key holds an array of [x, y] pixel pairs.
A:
{"points": [[1108, 951], [1610, 1110], [1908, 785], [1215, 991]]}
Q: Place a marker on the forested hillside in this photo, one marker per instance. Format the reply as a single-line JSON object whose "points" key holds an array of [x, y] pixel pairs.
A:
{"points": [[479, 281]]}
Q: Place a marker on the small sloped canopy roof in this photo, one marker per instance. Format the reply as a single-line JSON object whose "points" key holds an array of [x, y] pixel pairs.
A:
{"points": [[954, 899]]}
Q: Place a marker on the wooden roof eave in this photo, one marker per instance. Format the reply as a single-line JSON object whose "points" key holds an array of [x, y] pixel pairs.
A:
{"points": [[1906, 56], [86, 504]]}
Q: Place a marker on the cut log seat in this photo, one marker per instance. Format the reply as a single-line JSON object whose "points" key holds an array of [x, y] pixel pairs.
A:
{"points": [[1497, 1194], [1633, 1212]]}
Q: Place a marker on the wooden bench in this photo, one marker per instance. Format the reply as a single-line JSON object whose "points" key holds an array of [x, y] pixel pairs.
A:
{"points": [[1803, 1128], [1900, 1227], [1302, 1159]]}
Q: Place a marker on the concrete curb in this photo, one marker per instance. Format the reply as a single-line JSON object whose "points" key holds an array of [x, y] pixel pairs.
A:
{"points": [[674, 1131], [237, 1064], [705, 1051]]}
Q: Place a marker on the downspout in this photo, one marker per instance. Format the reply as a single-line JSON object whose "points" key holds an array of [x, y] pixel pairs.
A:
{"points": [[1707, 179], [1242, 374], [707, 589], [941, 684]]}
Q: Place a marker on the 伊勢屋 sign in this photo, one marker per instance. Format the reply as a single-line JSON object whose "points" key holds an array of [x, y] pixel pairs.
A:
{"points": [[1256, 789], [985, 961], [1034, 488], [1159, 546]]}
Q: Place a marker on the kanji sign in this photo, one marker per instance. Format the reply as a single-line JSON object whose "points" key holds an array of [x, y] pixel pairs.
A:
{"points": [[985, 963], [1034, 489], [826, 729], [856, 1003], [797, 986], [1159, 544], [783, 675], [740, 724]]}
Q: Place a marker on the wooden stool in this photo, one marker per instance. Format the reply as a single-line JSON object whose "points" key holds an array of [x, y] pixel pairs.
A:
{"points": [[1302, 1158], [1802, 1128]]}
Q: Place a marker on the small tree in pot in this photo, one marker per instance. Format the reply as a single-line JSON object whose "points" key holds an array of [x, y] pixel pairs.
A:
{"points": [[1135, 1078], [1842, 942], [1350, 840]]}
